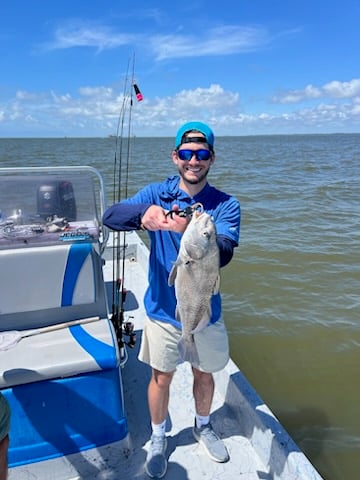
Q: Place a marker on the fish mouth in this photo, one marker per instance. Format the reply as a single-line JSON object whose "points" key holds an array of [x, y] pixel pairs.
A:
{"points": [[197, 210], [196, 214]]}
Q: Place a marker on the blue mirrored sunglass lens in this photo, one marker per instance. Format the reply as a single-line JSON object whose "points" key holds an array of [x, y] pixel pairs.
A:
{"points": [[199, 154], [202, 154]]}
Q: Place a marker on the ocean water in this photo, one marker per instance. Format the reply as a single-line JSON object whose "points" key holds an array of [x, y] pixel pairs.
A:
{"points": [[291, 295]]}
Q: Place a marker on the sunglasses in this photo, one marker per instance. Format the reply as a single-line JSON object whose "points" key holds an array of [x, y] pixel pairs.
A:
{"points": [[187, 155]]}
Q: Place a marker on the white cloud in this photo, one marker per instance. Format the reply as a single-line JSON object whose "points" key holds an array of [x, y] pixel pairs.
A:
{"points": [[99, 37], [334, 89], [223, 40], [211, 97], [94, 111], [66, 98], [338, 89], [23, 95], [220, 40], [99, 92]]}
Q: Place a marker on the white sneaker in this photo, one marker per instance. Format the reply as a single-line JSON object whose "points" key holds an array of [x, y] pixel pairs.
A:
{"points": [[156, 462], [214, 447]]}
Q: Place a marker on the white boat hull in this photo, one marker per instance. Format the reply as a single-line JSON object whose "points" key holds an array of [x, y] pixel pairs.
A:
{"points": [[78, 414]]}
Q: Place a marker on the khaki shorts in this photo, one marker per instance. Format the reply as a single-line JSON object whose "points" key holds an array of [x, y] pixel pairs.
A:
{"points": [[159, 346], [4, 417]]}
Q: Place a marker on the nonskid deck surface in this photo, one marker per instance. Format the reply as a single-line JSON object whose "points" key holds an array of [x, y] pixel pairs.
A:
{"points": [[239, 417], [186, 458]]}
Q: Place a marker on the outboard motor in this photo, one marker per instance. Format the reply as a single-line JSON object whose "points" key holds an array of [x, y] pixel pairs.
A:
{"points": [[56, 198]]}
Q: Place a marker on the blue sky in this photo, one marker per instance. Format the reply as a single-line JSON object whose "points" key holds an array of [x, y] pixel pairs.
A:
{"points": [[246, 67]]}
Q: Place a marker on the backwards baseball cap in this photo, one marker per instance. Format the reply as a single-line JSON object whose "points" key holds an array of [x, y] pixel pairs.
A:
{"points": [[199, 127]]}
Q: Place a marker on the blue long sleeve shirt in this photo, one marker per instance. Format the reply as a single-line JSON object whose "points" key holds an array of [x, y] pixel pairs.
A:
{"points": [[160, 300]]}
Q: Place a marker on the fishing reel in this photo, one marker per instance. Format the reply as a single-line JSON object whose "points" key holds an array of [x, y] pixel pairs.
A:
{"points": [[187, 212], [128, 330], [124, 329]]}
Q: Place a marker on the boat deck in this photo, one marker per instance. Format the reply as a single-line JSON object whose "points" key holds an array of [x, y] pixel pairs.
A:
{"points": [[258, 445], [186, 458]]}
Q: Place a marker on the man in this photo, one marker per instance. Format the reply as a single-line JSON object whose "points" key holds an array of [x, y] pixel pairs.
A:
{"points": [[4, 436], [157, 208]]}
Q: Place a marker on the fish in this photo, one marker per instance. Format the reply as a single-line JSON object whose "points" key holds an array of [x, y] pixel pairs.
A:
{"points": [[195, 276]]}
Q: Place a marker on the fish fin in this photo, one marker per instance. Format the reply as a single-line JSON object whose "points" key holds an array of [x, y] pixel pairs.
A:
{"points": [[172, 275], [203, 322], [217, 285], [187, 350]]}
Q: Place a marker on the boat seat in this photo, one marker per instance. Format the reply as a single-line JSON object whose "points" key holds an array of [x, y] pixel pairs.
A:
{"points": [[63, 353], [52, 284], [65, 392], [61, 379], [55, 381]]}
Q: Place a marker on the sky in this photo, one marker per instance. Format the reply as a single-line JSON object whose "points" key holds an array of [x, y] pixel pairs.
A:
{"points": [[245, 67]]}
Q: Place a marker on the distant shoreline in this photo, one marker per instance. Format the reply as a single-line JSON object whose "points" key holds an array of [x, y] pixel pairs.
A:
{"points": [[170, 136]]}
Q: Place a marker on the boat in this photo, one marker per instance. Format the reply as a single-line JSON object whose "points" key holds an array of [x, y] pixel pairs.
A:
{"points": [[69, 370]]}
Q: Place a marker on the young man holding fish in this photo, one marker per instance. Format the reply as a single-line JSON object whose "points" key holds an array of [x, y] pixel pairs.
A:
{"points": [[164, 210]]}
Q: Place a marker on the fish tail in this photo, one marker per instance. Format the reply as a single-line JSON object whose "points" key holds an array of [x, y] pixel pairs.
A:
{"points": [[188, 351]]}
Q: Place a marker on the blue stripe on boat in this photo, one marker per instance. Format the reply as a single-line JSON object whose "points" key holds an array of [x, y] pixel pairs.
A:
{"points": [[103, 354], [76, 258]]}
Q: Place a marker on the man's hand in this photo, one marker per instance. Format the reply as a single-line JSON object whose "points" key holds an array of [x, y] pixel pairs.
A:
{"points": [[155, 218]]}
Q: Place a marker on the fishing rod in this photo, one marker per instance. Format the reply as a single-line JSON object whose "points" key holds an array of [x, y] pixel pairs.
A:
{"points": [[122, 155], [117, 304]]}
